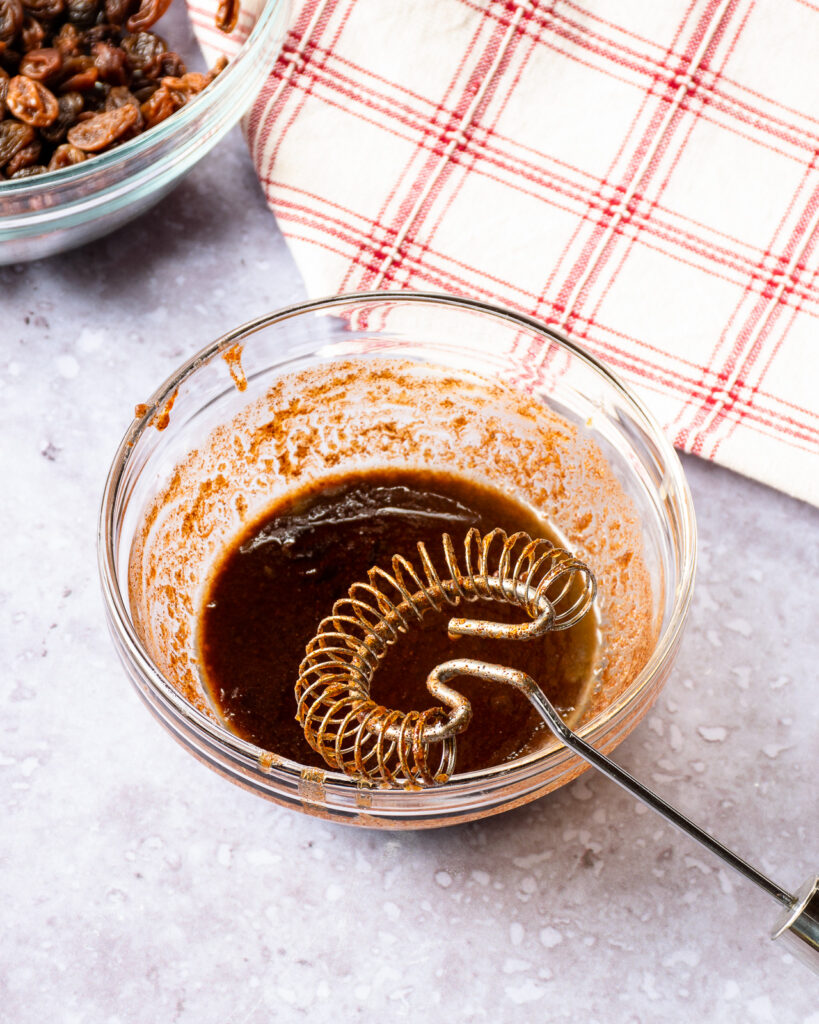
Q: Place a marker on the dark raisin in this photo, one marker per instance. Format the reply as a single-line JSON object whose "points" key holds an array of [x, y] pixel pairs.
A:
{"points": [[11, 20], [110, 62], [170, 65], [117, 11], [13, 137], [44, 10], [146, 91], [82, 12], [143, 51], [29, 172], [70, 107], [24, 157], [32, 35], [99, 34], [95, 98]]}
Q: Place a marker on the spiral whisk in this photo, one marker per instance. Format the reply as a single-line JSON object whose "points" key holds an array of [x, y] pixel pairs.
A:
{"points": [[356, 735], [412, 749]]}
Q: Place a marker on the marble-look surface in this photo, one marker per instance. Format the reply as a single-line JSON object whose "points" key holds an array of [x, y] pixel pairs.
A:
{"points": [[138, 886]]}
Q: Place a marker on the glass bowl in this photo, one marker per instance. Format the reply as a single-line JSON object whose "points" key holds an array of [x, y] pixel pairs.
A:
{"points": [[60, 210], [438, 339]]}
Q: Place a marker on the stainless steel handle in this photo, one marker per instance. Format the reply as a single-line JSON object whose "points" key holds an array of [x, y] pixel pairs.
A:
{"points": [[799, 928], [802, 922]]}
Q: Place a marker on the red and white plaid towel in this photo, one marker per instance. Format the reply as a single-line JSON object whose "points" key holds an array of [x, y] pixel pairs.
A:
{"points": [[642, 175]]}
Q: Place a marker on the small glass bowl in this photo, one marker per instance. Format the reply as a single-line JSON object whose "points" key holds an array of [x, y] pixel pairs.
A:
{"points": [[437, 330], [56, 211]]}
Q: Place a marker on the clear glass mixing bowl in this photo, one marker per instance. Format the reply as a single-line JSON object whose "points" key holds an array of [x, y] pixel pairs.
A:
{"points": [[52, 212], [435, 330]]}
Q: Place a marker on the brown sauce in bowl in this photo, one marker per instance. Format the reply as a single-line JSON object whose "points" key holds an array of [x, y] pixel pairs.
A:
{"points": [[282, 575]]}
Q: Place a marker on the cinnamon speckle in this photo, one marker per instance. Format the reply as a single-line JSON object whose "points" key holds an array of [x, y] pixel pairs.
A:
{"points": [[233, 357], [163, 417]]}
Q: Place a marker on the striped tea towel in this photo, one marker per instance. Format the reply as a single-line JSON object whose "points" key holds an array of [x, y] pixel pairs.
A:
{"points": [[642, 175]]}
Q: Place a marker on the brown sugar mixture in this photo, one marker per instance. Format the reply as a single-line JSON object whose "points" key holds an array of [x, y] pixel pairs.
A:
{"points": [[282, 576]]}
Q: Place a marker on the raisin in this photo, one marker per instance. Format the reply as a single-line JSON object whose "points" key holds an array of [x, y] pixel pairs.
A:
{"points": [[24, 157], [145, 92], [218, 67], [95, 98], [99, 34], [81, 75], [29, 172], [160, 106], [82, 12], [75, 64], [98, 132], [70, 107], [227, 14], [150, 11], [65, 156], [42, 65], [110, 62], [13, 137], [116, 11], [68, 40], [143, 51], [32, 35], [44, 10], [11, 20], [170, 65], [120, 96], [188, 85], [31, 102]]}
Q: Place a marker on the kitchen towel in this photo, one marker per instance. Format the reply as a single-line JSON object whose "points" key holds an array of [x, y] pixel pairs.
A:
{"points": [[641, 175]]}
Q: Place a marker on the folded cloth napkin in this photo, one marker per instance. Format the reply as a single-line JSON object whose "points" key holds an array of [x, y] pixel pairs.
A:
{"points": [[643, 176]]}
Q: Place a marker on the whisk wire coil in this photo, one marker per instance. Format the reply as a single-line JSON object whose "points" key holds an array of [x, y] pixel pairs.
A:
{"points": [[371, 743]]}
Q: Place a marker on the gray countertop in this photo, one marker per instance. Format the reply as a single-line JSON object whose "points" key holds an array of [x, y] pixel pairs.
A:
{"points": [[138, 886]]}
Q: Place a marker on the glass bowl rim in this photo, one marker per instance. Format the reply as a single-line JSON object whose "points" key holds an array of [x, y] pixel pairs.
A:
{"points": [[113, 159], [253, 756]]}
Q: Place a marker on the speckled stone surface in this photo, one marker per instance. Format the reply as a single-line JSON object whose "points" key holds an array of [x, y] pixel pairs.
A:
{"points": [[136, 885]]}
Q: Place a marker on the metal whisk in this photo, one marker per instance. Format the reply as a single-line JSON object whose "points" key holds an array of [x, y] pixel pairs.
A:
{"points": [[366, 741], [372, 743]]}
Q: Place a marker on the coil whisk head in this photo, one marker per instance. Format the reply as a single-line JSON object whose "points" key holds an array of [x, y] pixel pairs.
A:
{"points": [[369, 742]]}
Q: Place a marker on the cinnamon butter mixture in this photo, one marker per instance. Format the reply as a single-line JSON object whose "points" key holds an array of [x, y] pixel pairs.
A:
{"points": [[276, 463], [283, 574], [78, 77]]}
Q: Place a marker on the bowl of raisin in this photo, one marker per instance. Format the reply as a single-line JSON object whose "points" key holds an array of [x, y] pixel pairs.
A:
{"points": [[102, 111]]}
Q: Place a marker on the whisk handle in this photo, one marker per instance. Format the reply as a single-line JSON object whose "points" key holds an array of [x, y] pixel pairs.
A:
{"points": [[799, 928], [802, 922]]}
